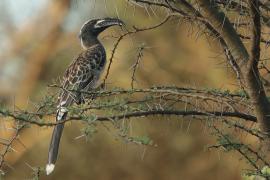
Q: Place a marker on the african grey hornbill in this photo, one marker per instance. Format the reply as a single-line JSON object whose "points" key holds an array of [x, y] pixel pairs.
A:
{"points": [[82, 74]]}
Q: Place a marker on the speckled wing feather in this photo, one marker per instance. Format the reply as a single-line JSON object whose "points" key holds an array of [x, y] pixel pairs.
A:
{"points": [[82, 74]]}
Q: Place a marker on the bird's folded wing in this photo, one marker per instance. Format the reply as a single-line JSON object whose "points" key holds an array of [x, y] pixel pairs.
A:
{"points": [[82, 74]]}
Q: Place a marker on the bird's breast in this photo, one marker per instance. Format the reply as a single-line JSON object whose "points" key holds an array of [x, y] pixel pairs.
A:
{"points": [[97, 60]]}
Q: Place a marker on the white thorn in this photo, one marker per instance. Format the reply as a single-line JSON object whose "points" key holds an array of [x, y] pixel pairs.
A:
{"points": [[49, 168]]}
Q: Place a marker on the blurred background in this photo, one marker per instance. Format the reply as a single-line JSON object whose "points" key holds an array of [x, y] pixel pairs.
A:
{"points": [[38, 40]]}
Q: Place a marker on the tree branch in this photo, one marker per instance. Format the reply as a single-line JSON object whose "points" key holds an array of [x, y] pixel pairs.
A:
{"points": [[9, 144], [222, 24], [135, 114], [252, 76], [136, 30]]}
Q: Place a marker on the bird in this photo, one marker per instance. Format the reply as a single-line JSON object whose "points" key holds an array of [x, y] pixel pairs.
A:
{"points": [[82, 74]]}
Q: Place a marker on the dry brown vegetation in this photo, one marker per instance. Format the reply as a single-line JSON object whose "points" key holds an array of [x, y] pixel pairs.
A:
{"points": [[184, 95]]}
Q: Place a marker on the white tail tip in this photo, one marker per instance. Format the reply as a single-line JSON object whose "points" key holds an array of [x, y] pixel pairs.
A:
{"points": [[49, 168]]}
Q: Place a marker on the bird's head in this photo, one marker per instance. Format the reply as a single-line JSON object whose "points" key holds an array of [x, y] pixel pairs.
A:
{"points": [[92, 28]]}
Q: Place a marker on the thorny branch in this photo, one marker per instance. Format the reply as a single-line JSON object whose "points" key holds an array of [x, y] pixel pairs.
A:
{"points": [[8, 145], [212, 106], [187, 11], [135, 66], [152, 96], [138, 103], [160, 101], [241, 148], [252, 76], [136, 30], [217, 21], [137, 114]]}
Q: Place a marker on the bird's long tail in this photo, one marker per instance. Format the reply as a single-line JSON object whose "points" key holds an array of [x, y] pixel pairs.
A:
{"points": [[55, 140]]}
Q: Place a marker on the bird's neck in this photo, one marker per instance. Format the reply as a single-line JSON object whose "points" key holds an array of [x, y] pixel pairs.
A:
{"points": [[89, 42]]}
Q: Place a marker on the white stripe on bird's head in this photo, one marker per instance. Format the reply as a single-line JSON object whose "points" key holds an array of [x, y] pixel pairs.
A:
{"points": [[98, 23]]}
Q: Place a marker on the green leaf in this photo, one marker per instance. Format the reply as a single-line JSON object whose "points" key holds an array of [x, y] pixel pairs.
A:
{"points": [[145, 140], [88, 131], [266, 170]]}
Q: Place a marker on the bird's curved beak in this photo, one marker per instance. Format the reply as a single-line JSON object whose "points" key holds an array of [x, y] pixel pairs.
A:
{"points": [[107, 22]]}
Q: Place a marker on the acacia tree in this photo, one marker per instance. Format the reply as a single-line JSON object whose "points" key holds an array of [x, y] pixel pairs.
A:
{"points": [[225, 112]]}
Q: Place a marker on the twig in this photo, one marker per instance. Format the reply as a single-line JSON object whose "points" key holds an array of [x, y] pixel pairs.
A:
{"points": [[243, 116], [135, 66], [136, 30], [9, 144]]}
